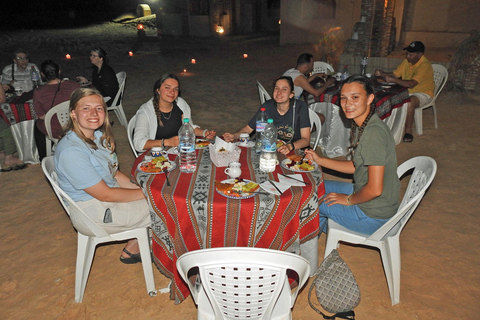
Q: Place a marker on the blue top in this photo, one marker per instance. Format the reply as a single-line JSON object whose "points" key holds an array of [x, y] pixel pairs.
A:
{"points": [[78, 166]]}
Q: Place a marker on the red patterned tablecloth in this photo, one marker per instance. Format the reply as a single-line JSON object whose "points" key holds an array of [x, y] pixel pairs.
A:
{"points": [[18, 109], [387, 98], [191, 215]]}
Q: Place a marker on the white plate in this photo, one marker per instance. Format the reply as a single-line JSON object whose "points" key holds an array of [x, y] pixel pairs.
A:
{"points": [[249, 144], [284, 165], [246, 196], [174, 165]]}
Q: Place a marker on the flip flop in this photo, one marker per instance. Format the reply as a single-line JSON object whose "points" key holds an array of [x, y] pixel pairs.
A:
{"points": [[134, 258], [407, 138], [14, 167]]}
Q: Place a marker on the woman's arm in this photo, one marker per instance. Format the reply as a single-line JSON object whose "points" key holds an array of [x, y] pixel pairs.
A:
{"points": [[207, 134], [371, 190], [124, 181], [230, 137], [305, 84], [344, 166], [303, 142], [2, 95], [101, 191]]}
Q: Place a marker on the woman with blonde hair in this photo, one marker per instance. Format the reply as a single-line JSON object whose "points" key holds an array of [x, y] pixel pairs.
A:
{"points": [[87, 169]]}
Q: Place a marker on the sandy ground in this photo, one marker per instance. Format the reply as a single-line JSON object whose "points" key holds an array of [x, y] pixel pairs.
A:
{"points": [[440, 257]]}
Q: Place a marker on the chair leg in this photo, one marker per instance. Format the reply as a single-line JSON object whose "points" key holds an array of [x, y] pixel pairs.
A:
{"points": [[418, 121], [48, 143], [332, 243], [143, 243], [85, 251], [391, 263], [435, 116]]}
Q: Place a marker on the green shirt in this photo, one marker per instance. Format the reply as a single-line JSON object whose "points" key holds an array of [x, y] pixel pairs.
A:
{"points": [[377, 148]]}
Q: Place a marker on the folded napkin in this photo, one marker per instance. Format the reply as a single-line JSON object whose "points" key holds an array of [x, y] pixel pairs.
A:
{"points": [[267, 186], [220, 143], [292, 182]]}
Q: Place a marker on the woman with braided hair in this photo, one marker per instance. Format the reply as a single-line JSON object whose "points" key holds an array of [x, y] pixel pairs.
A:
{"points": [[159, 119], [366, 204]]}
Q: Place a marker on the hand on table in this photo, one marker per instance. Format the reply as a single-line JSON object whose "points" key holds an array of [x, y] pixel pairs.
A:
{"points": [[330, 81], [312, 156], [210, 134], [228, 137], [172, 142], [284, 149]]}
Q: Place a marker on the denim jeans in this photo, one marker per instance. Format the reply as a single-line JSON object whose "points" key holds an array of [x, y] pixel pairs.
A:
{"points": [[351, 217]]}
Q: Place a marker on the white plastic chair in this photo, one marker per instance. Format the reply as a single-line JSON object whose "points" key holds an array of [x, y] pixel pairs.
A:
{"points": [[264, 96], [315, 120], [387, 237], [440, 76], [242, 283], [130, 128], [62, 114], [117, 105], [322, 67], [90, 235]]}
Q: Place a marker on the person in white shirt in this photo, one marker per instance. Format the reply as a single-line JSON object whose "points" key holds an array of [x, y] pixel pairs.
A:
{"points": [[18, 71]]}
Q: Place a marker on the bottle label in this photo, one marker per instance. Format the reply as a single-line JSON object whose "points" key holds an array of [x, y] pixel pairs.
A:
{"points": [[186, 147], [269, 147], [260, 126]]}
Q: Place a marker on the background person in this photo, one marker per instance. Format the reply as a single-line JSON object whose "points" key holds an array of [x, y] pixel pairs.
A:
{"points": [[290, 117], [367, 203], [415, 73], [46, 97], [18, 71], [104, 78], [159, 119]]}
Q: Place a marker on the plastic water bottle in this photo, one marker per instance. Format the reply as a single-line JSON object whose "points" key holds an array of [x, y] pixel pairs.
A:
{"points": [[261, 123], [345, 73], [364, 65], [35, 76], [188, 157], [268, 157]]}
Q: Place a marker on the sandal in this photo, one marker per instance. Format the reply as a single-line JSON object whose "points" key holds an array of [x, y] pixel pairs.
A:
{"points": [[15, 167], [407, 137], [134, 258]]}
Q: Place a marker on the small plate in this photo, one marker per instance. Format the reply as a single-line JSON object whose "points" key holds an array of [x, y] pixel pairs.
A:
{"points": [[249, 144], [199, 145], [238, 196], [139, 168], [285, 162]]}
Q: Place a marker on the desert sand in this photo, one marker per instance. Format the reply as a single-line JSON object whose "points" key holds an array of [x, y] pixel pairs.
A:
{"points": [[440, 257]]}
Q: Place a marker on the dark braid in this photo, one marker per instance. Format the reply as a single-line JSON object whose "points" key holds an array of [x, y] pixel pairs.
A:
{"points": [[355, 139]]}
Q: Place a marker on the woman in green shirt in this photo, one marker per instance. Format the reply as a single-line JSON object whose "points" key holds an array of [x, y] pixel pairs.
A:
{"points": [[373, 197]]}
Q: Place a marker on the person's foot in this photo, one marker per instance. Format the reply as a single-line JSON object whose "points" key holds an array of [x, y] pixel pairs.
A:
{"points": [[130, 258], [408, 137], [11, 160]]}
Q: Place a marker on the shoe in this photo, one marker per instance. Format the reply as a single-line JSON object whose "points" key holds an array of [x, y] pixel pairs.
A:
{"points": [[15, 167], [134, 258], [407, 138]]}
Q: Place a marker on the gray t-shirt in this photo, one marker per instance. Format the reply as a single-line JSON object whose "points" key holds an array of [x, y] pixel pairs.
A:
{"points": [[377, 148]]}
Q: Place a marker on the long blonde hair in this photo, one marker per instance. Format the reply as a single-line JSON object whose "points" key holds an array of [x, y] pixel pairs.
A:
{"points": [[106, 140]]}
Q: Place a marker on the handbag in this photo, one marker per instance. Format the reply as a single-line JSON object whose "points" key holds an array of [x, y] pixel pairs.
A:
{"points": [[336, 288]]}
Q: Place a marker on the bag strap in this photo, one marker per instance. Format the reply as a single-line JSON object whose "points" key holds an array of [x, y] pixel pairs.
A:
{"points": [[349, 315]]}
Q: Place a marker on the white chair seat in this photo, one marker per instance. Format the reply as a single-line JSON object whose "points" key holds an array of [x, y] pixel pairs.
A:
{"points": [[61, 111], [130, 128], [263, 94], [90, 235], [315, 120], [322, 67], [117, 104], [242, 283], [387, 237]]}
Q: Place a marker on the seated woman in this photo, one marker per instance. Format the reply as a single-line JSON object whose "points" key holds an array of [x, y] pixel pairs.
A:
{"points": [[289, 115], [46, 97], [160, 118], [104, 78], [373, 198], [87, 169]]}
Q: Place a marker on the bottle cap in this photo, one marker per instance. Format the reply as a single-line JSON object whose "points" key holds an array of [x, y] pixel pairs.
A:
{"points": [[270, 120], [186, 120]]}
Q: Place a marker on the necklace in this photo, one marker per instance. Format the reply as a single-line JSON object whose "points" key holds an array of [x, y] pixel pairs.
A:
{"points": [[165, 117]]}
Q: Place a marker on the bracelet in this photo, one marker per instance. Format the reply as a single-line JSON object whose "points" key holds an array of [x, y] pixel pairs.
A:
{"points": [[163, 143], [204, 131], [348, 200]]}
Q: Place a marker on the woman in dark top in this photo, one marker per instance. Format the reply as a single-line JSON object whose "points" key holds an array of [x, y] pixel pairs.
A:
{"points": [[159, 119], [103, 77]]}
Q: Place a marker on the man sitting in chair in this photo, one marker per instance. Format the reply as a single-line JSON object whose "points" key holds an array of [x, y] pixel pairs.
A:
{"points": [[415, 73]]}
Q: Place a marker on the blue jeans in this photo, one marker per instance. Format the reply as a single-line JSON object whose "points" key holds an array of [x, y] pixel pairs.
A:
{"points": [[351, 217]]}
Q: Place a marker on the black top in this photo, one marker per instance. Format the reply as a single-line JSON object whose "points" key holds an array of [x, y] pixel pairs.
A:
{"points": [[105, 81], [172, 121]]}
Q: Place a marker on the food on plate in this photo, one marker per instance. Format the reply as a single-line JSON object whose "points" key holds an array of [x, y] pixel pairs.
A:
{"points": [[199, 144], [157, 164], [237, 188], [304, 165], [222, 149], [294, 157]]}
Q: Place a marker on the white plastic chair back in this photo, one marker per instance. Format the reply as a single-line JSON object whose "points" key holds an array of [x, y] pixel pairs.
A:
{"points": [[117, 104], [440, 77], [242, 283], [62, 114], [130, 128], [315, 120], [263, 94], [322, 67], [90, 235], [387, 237]]}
